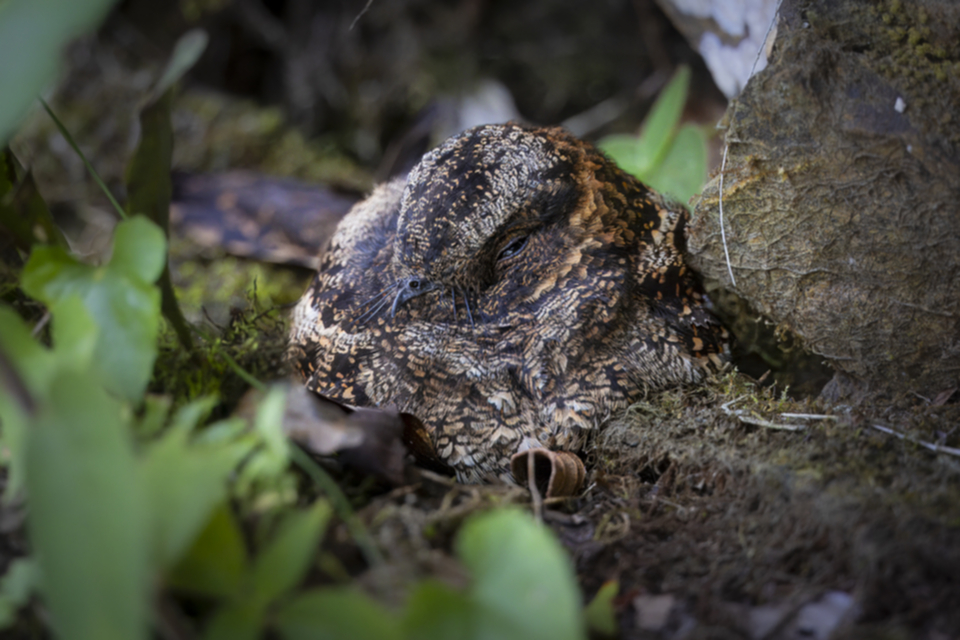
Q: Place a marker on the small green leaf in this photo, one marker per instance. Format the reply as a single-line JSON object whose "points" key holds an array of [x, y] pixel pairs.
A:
{"points": [[600, 614], [522, 578], [286, 559], [184, 482], [335, 614], [436, 612], [139, 250], [16, 586], [119, 297], [37, 366], [92, 546], [629, 154], [683, 171], [216, 562], [661, 123], [238, 621], [185, 54], [34, 32]]}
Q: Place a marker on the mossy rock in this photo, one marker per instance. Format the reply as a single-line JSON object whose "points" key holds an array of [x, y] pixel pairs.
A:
{"points": [[841, 190]]}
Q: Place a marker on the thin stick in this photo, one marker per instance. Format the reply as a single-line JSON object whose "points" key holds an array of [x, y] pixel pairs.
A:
{"points": [[86, 163], [723, 233], [936, 448]]}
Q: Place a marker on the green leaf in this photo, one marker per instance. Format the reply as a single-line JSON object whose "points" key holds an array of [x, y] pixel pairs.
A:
{"points": [[185, 54], [36, 367], [522, 578], [184, 482], [216, 562], [628, 152], [86, 520], [17, 585], [139, 250], [239, 621], [283, 564], [334, 614], [661, 122], [683, 171], [34, 32], [436, 612], [119, 297], [600, 614], [23, 212]]}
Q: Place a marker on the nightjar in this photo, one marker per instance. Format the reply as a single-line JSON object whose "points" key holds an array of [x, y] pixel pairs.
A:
{"points": [[513, 291]]}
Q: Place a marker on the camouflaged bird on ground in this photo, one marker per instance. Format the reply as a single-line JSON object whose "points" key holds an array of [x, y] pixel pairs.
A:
{"points": [[515, 290]]}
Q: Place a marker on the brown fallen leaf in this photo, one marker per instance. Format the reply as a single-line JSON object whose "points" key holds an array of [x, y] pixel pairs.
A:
{"points": [[556, 474]]}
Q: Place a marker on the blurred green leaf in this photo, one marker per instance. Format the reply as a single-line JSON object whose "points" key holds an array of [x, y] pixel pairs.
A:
{"points": [[23, 212], [216, 563], [16, 586], [628, 152], [74, 333], [184, 481], [239, 621], [335, 614], [522, 578], [683, 170], [33, 33], [600, 614], [661, 123], [185, 54], [86, 520], [285, 561], [434, 611], [119, 296]]}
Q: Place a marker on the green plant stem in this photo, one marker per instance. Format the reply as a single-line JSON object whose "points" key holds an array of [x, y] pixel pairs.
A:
{"points": [[86, 163], [340, 503], [245, 375]]}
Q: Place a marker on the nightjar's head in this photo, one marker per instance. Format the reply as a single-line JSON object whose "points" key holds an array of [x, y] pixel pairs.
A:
{"points": [[502, 212]]}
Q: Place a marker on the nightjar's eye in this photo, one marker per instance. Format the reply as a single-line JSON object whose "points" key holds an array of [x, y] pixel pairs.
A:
{"points": [[512, 249]]}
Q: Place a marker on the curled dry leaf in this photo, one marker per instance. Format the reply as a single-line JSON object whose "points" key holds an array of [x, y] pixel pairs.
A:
{"points": [[556, 473], [368, 440]]}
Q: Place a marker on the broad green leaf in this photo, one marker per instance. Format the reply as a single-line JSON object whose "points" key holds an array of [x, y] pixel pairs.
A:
{"points": [[285, 561], [600, 614], [86, 520], [184, 481], [238, 621], [16, 586], [335, 614], [436, 612], [119, 297], [36, 366], [629, 153], [661, 123], [33, 33], [139, 250], [216, 563], [683, 171], [522, 578], [74, 334]]}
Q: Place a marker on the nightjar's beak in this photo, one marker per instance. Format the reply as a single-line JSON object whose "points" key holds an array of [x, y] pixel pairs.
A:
{"points": [[408, 288]]}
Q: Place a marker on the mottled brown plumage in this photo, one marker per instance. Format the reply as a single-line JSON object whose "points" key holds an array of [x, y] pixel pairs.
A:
{"points": [[513, 291]]}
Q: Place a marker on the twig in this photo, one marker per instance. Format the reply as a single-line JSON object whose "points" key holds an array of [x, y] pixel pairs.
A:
{"points": [[740, 415], [723, 233], [936, 448], [360, 15]]}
